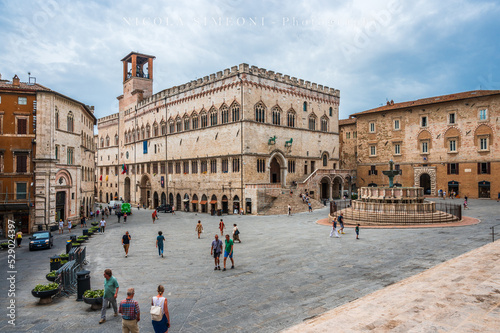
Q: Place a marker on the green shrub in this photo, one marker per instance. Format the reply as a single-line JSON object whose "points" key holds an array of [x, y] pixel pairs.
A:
{"points": [[93, 293], [52, 274], [64, 255], [46, 287], [63, 262]]}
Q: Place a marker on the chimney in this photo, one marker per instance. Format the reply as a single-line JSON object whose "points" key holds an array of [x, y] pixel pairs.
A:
{"points": [[15, 81]]}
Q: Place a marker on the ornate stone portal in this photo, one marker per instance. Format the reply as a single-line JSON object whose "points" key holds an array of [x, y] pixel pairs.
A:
{"points": [[393, 206]]}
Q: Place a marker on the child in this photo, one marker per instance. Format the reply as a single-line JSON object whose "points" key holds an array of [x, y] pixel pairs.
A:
{"points": [[357, 231]]}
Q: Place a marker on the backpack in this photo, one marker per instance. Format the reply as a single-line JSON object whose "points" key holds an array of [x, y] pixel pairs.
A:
{"points": [[236, 232]]}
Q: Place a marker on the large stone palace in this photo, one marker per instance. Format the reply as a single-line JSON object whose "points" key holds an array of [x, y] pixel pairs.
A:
{"points": [[448, 143], [235, 139]]}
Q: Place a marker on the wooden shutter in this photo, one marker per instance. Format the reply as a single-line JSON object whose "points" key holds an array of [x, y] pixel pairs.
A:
{"points": [[488, 168], [21, 126], [457, 167], [21, 163], [449, 168], [478, 168]]}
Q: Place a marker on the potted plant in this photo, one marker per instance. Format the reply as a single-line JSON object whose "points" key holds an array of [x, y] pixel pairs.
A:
{"points": [[81, 239], [4, 245], [94, 223], [64, 256], [51, 276], [94, 298], [45, 292], [63, 262]]}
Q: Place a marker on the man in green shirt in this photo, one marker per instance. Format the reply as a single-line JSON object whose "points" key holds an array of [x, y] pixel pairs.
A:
{"points": [[110, 294], [228, 252]]}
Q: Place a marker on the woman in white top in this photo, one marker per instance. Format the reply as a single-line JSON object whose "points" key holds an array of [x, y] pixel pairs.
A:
{"points": [[61, 226], [163, 325], [69, 226]]}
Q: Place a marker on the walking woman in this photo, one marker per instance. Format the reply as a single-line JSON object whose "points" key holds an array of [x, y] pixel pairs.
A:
{"points": [[163, 325]]}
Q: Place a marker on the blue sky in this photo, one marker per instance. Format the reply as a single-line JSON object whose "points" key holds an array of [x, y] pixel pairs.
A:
{"points": [[371, 50]]}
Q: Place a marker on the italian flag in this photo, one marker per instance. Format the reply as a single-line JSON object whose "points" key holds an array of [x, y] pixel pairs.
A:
{"points": [[124, 168]]}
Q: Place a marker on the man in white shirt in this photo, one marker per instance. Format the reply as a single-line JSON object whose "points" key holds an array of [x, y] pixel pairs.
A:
{"points": [[103, 224]]}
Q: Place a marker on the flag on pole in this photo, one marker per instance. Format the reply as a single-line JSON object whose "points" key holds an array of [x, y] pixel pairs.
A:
{"points": [[100, 178], [124, 168], [106, 177]]}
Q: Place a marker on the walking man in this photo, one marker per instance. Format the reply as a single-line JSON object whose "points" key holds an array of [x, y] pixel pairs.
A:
{"points": [[236, 233], [126, 243], [110, 293], [159, 243], [216, 250], [199, 228], [131, 313], [228, 252], [357, 231], [310, 207], [341, 222], [289, 210], [103, 224], [221, 227]]}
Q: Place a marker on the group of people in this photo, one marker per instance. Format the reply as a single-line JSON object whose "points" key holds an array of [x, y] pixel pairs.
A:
{"points": [[130, 309], [337, 231]]}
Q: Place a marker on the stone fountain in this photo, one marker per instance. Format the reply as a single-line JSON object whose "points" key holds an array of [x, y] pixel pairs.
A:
{"points": [[393, 206]]}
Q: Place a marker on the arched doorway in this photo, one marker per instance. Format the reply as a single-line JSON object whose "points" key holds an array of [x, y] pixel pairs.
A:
{"points": [[483, 189], [60, 205], [127, 189], [325, 188], [163, 198], [155, 200], [145, 191], [203, 203], [171, 199], [236, 205], [275, 171], [337, 188], [224, 205], [213, 204], [425, 182], [195, 203], [178, 202]]}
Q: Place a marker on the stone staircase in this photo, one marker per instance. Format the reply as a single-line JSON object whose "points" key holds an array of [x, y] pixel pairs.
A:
{"points": [[279, 206]]}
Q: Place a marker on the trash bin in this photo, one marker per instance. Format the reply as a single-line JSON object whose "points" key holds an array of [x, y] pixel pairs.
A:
{"points": [[83, 283], [85, 232], [219, 212], [68, 246], [55, 263]]}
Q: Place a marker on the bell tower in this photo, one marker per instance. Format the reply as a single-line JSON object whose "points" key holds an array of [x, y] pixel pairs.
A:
{"points": [[137, 79]]}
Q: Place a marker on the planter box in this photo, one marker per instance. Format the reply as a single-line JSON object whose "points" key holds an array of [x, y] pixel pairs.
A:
{"points": [[45, 296], [95, 303]]}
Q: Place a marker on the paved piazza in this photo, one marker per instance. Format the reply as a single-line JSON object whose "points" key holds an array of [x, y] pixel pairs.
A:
{"points": [[287, 270]]}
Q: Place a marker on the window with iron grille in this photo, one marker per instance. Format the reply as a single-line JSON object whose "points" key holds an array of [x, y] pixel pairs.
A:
{"points": [[261, 165], [203, 167], [213, 166], [236, 165], [186, 167], [177, 167], [225, 164], [194, 167]]}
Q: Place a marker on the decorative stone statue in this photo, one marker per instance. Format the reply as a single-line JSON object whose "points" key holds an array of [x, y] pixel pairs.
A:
{"points": [[391, 173]]}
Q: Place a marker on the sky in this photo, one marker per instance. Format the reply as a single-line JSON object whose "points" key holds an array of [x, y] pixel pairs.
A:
{"points": [[371, 50]]}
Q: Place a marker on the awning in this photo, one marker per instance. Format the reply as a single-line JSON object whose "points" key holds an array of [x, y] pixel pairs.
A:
{"points": [[185, 200], [224, 199], [213, 202], [203, 202], [13, 206], [194, 201]]}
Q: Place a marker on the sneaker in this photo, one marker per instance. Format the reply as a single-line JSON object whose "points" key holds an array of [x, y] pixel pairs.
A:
{"points": [[218, 268], [215, 268], [224, 269], [125, 256], [102, 321], [232, 267], [162, 255]]}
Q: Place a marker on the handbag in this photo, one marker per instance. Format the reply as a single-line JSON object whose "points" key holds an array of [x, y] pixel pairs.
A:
{"points": [[156, 313]]}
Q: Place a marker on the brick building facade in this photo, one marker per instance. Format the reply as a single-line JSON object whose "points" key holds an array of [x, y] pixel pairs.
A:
{"points": [[210, 144], [444, 143]]}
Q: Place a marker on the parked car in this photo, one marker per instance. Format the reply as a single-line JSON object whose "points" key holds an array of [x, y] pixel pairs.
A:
{"points": [[114, 203], [41, 240], [166, 208]]}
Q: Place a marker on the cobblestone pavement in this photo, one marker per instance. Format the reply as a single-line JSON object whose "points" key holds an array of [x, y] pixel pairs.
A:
{"points": [[287, 270]]}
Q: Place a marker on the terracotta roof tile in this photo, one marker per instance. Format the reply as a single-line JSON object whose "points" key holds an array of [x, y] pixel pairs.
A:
{"points": [[431, 100], [7, 85], [347, 121]]}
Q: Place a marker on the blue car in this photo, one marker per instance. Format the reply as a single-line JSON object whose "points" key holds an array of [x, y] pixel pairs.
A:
{"points": [[41, 240]]}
